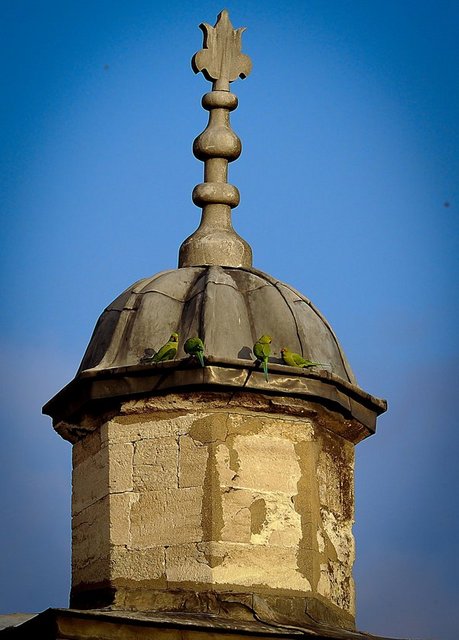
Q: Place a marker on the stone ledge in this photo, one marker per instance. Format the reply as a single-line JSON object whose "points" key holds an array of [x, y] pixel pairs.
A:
{"points": [[94, 391], [74, 624]]}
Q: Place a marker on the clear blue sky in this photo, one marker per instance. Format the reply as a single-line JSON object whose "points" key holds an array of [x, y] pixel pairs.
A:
{"points": [[349, 185]]}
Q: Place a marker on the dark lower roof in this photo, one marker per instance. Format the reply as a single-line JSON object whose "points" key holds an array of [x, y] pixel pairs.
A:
{"points": [[64, 624]]}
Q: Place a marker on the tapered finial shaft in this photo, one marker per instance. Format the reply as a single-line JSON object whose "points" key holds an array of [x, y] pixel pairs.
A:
{"points": [[221, 61]]}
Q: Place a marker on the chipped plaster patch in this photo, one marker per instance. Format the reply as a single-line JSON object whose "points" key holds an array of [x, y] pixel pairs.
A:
{"points": [[250, 565], [266, 464], [320, 540], [282, 524], [339, 533]]}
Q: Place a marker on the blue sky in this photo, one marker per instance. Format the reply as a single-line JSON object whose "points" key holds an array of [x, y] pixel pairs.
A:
{"points": [[349, 183]]}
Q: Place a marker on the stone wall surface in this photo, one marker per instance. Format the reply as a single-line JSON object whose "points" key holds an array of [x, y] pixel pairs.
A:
{"points": [[213, 500]]}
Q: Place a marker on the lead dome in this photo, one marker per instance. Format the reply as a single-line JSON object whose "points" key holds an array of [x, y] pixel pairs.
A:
{"points": [[228, 307]]}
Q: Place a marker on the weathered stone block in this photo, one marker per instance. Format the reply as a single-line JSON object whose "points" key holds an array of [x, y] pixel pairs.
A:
{"points": [[210, 428], [275, 521], [166, 517], [91, 542], [187, 564], [226, 462], [130, 427], [119, 518], [266, 464], [89, 479], [237, 518], [120, 467], [137, 564], [155, 463], [192, 462], [337, 585], [335, 478], [86, 447], [96, 571], [254, 566], [291, 428]]}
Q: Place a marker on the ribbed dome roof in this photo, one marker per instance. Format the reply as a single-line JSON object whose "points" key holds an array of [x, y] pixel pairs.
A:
{"points": [[229, 308]]}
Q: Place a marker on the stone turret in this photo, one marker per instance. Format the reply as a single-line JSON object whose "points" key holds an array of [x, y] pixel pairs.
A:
{"points": [[211, 490]]}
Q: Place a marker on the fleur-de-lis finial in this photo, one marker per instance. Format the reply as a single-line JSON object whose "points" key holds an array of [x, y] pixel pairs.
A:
{"points": [[215, 242], [221, 59]]}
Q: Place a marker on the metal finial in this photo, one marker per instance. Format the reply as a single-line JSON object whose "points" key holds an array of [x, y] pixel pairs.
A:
{"points": [[221, 61]]}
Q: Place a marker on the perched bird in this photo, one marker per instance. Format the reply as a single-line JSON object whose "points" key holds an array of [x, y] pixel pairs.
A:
{"points": [[262, 350], [295, 360], [168, 351], [148, 356], [195, 347]]}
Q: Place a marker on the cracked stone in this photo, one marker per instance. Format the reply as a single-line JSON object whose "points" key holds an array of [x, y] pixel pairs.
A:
{"points": [[155, 464], [165, 517]]}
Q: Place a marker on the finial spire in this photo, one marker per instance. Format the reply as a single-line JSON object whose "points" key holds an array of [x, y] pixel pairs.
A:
{"points": [[221, 61]]}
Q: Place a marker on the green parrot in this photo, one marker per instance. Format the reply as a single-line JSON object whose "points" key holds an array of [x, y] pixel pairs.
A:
{"points": [[295, 360], [168, 351], [195, 347], [262, 351]]}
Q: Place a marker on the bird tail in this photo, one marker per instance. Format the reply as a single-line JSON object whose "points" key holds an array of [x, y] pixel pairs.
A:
{"points": [[200, 358], [265, 369]]}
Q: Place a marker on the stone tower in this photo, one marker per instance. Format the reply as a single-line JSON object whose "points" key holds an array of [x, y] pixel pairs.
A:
{"points": [[213, 490]]}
